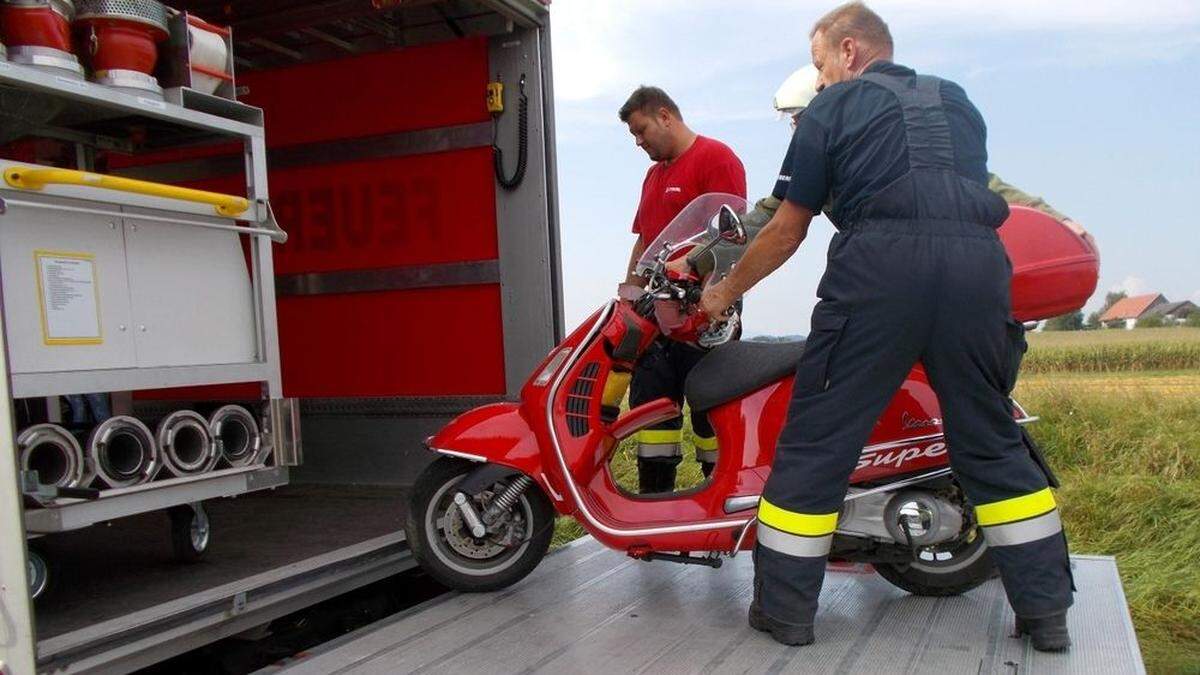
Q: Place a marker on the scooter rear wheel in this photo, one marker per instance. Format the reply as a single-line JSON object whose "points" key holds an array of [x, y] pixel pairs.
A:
{"points": [[951, 570], [444, 546]]}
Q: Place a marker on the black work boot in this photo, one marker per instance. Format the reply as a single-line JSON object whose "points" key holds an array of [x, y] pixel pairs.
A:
{"points": [[706, 468], [791, 634], [1047, 633], [656, 475]]}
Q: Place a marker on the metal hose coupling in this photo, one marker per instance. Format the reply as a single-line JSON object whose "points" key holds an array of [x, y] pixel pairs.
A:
{"points": [[187, 443], [122, 451], [54, 453], [237, 435]]}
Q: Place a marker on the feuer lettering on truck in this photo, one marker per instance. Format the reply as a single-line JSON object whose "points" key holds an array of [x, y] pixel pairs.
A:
{"points": [[897, 457], [377, 214]]}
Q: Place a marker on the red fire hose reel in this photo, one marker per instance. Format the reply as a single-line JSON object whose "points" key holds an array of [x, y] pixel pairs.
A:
{"points": [[119, 41], [38, 33]]}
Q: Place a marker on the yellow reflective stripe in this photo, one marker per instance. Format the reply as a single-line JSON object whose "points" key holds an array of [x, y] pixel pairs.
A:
{"points": [[706, 443], [1017, 508], [659, 436], [806, 524], [614, 388]]}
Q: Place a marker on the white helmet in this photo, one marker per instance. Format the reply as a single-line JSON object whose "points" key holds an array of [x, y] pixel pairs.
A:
{"points": [[797, 91]]}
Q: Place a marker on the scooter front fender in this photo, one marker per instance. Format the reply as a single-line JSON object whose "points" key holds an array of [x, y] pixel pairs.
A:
{"points": [[498, 434]]}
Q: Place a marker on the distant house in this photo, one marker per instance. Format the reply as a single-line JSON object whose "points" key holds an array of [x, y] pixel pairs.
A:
{"points": [[1174, 312], [1127, 311]]}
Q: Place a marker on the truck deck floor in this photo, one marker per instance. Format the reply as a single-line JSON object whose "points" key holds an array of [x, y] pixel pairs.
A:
{"points": [[107, 571], [587, 609]]}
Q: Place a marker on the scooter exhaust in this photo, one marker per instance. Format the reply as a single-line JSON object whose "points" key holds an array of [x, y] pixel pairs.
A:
{"points": [[187, 444], [54, 453], [237, 435], [123, 452]]}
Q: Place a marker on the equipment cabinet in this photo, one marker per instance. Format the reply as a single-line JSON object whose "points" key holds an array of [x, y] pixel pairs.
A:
{"points": [[116, 286]]}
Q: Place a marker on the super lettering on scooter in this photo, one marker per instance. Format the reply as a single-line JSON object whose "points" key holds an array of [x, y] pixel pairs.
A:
{"points": [[897, 457]]}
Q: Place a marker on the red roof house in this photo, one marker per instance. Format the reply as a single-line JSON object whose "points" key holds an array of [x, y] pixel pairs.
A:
{"points": [[1133, 308]]}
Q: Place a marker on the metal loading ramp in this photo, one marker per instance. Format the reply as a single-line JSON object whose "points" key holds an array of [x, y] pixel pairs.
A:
{"points": [[587, 609]]}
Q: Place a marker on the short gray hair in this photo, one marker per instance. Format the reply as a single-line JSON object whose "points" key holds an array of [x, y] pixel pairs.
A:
{"points": [[856, 20]]}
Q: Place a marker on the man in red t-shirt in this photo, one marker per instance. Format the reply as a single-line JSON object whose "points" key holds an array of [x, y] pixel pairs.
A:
{"points": [[686, 165]]}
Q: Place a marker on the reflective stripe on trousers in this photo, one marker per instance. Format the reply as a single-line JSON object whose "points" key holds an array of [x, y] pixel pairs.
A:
{"points": [[1019, 520], [706, 449], [801, 535], [659, 443]]}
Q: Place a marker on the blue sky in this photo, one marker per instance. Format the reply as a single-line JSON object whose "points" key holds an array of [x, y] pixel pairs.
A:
{"points": [[1093, 104]]}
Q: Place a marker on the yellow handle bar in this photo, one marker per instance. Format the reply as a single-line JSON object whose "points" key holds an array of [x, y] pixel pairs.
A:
{"points": [[37, 178]]}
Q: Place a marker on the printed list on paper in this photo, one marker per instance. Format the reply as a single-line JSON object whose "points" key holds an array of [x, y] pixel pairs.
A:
{"points": [[68, 286]]}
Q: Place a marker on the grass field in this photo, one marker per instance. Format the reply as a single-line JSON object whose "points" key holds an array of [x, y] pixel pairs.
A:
{"points": [[1120, 423], [1126, 447]]}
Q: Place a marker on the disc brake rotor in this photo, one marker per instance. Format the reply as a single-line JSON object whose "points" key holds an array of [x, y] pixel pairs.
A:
{"points": [[461, 541]]}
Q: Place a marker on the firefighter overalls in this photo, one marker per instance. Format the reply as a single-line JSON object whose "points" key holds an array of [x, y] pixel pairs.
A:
{"points": [[916, 272], [661, 372]]}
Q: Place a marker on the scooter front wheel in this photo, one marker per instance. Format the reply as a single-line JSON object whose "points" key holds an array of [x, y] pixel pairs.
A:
{"points": [[515, 541]]}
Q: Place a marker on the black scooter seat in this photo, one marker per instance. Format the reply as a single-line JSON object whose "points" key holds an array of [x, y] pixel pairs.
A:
{"points": [[737, 368]]}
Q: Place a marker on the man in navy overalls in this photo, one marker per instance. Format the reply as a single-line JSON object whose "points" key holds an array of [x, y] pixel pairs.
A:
{"points": [[915, 273]]}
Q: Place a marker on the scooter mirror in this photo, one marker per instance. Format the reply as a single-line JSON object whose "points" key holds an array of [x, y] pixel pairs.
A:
{"points": [[729, 226]]}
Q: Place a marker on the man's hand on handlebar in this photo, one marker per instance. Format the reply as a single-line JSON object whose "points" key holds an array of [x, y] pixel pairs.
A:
{"points": [[680, 267], [716, 301]]}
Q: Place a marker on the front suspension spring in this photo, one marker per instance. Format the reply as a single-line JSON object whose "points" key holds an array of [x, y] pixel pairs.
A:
{"points": [[507, 498]]}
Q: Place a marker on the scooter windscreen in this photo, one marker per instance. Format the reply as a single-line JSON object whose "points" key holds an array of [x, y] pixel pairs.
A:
{"points": [[695, 225]]}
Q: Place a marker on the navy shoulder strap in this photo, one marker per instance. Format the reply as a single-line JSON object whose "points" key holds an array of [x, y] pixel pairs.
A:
{"points": [[928, 131]]}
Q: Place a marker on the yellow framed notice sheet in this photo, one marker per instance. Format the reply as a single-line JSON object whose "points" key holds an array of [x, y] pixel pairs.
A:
{"points": [[69, 297]]}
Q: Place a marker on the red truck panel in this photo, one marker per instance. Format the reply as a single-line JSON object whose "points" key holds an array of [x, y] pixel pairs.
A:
{"points": [[435, 85], [386, 212], [433, 342], [369, 214]]}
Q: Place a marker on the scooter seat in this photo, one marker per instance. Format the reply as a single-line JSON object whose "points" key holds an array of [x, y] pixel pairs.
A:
{"points": [[737, 368]]}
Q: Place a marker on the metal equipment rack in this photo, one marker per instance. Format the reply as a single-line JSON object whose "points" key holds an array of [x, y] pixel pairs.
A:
{"points": [[95, 117]]}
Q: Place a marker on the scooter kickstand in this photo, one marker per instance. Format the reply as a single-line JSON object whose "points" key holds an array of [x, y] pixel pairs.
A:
{"points": [[713, 561]]}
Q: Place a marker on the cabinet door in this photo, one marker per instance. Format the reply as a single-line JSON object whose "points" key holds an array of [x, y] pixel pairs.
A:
{"points": [[192, 297], [66, 293]]}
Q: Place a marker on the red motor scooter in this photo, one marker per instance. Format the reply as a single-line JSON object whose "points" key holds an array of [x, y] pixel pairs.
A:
{"points": [[481, 516]]}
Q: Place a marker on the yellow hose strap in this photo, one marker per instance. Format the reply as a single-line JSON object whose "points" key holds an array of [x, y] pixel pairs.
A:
{"points": [[659, 436], [1017, 508], [615, 387], [706, 443], [28, 178], [806, 524]]}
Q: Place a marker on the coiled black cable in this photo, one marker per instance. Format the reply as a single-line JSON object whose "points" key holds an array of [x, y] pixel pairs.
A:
{"points": [[522, 144]]}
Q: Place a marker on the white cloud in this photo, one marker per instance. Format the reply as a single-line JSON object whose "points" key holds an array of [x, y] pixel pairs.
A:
{"points": [[1132, 286]]}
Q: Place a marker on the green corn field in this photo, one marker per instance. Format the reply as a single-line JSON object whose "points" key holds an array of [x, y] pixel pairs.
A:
{"points": [[1151, 349]]}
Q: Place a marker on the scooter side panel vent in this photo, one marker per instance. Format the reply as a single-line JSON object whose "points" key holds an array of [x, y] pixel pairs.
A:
{"points": [[579, 401]]}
